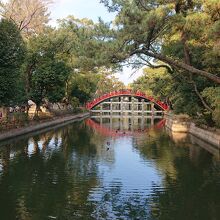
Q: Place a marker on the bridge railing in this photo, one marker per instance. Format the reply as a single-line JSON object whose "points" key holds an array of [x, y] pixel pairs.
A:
{"points": [[122, 92]]}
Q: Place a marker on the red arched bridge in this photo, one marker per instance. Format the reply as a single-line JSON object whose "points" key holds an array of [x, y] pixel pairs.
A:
{"points": [[126, 102]]}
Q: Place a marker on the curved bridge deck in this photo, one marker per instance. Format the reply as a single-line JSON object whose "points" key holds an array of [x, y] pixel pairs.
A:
{"points": [[127, 102]]}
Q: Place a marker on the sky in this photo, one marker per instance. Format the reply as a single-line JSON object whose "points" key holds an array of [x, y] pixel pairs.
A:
{"points": [[80, 8], [92, 9]]}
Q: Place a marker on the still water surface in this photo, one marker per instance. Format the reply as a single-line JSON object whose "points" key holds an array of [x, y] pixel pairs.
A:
{"points": [[118, 169]]}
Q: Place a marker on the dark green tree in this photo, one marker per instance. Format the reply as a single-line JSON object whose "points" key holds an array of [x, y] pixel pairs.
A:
{"points": [[12, 52], [44, 71], [83, 87], [48, 81]]}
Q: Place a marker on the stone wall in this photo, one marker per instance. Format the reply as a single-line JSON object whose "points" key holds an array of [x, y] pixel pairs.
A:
{"points": [[25, 130], [176, 125], [206, 135], [181, 126]]}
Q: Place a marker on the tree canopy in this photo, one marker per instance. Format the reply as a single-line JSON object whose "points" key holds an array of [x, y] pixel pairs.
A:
{"points": [[167, 31], [180, 36], [31, 16], [12, 52]]}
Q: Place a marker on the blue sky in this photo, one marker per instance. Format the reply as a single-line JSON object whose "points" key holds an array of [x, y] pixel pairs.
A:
{"points": [[91, 9], [80, 8]]}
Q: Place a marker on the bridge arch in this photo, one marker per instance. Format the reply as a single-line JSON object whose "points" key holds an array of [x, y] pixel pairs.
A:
{"points": [[130, 93]]}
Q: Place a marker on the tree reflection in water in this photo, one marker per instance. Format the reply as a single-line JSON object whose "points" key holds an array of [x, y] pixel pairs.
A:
{"points": [[48, 175], [191, 179]]}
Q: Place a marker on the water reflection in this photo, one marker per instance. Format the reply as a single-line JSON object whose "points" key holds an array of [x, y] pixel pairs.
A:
{"points": [[109, 169], [48, 175], [114, 126]]}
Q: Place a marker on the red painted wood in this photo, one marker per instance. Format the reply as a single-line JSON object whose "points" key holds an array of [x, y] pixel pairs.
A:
{"points": [[126, 92]]}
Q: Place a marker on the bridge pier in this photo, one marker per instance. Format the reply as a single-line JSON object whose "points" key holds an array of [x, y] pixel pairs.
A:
{"points": [[121, 106], [152, 113], [111, 106]]}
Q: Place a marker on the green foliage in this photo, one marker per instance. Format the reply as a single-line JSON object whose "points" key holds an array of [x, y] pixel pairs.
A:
{"points": [[45, 72], [86, 43], [178, 91], [83, 86], [75, 102], [12, 50], [174, 32], [154, 82], [184, 100], [108, 82], [212, 94], [48, 81]]}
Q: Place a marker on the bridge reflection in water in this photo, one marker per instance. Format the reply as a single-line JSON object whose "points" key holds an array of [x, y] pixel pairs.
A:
{"points": [[123, 126], [119, 126]]}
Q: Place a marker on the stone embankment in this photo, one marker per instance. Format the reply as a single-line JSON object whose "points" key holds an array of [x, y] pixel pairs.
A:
{"points": [[179, 125], [42, 125]]}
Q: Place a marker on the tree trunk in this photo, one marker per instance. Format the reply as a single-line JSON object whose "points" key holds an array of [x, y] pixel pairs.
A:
{"points": [[5, 112], [37, 110], [201, 98]]}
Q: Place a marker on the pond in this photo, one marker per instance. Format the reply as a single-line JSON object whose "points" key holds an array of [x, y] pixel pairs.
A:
{"points": [[118, 168]]}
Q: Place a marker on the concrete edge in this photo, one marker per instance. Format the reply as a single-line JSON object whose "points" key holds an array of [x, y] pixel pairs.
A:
{"points": [[25, 130], [189, 127]]}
